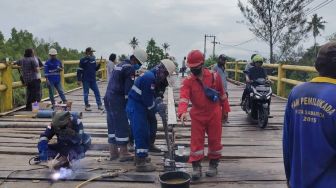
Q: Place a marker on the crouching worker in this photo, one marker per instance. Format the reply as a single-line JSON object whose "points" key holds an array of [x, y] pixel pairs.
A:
{"points": [[142, 103], [72, 142], [210, 107]]}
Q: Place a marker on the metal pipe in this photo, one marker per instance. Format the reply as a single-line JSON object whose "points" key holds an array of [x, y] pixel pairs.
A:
{"points": [[50, 113]]}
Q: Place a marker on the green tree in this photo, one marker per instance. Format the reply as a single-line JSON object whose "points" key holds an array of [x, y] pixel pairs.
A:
{"points": [[332, 37], [276, 20], [315, 25], [155, 53], [134, 43], [165, 47]]}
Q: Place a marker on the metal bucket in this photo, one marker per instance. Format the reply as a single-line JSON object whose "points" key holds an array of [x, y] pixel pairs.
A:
{"points": [[175, 179]]}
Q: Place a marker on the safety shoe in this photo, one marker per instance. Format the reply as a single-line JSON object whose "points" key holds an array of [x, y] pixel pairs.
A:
{"points": [[212, 170], [125, 155], [197, 170], [100, 107], [142, 166], [153, 148], [87, 108], [114, 154]]}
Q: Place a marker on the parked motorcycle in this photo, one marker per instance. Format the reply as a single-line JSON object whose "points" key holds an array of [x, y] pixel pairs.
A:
{"points": [[257, 102]]}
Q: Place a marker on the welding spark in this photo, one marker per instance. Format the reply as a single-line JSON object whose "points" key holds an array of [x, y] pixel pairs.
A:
{"points": [[63, 173], [55, 176]]}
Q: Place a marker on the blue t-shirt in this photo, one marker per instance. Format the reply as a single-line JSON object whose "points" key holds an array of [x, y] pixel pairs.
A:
{"points": [[309, 135], [52, 69]]}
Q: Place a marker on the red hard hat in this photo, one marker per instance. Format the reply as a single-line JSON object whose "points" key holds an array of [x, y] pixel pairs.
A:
{"points": [[195, 58]]}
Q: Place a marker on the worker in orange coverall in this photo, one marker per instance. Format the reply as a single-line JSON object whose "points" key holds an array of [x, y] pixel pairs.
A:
{"points": [[209, 108]]}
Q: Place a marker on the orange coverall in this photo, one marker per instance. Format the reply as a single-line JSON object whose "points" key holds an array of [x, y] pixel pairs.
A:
{"points": [[206, 116]]}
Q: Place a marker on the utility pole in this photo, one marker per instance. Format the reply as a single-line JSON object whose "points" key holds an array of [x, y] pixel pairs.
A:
{"points": [[214, 46], [205, 38]]}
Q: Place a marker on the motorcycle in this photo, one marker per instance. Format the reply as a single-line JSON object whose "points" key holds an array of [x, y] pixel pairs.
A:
{"points": [[257, 102]]}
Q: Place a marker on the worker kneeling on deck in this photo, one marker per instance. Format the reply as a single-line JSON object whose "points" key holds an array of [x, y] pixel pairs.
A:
{"points": [[72, 142], [142, 103], [209, 106]]}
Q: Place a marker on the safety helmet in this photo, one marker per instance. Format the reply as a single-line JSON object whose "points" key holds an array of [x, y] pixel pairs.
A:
{"points": [[52, 51], [257, 58], [195, 58], [140, 55], [169, 65]]}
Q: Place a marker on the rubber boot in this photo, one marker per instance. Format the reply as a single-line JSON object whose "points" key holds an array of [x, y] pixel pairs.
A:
{"points": [[212, 170], [124, 154], [114, 154], [197, 170], [142, 166]]}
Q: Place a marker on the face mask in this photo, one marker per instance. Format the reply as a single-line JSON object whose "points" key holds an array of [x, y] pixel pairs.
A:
{"points": [[196, 71], [136, 66]]}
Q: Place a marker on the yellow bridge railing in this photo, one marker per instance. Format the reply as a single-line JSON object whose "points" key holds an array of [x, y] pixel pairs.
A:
{"points": [[8, 85], [281, 79]]}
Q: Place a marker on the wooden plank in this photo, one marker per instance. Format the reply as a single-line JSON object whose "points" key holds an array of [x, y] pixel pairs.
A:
{"points": [[171, 107]]}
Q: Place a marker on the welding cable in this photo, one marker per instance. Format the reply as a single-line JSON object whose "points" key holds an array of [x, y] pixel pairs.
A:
{"points": [[109, 174], [15, 171]]}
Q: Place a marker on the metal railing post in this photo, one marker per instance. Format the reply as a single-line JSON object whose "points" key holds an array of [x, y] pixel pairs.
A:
{"points": [[236, 71], [62, 75], [281, 85], [6, 98]]}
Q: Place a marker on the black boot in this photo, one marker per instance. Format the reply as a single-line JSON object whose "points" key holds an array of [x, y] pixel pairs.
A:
{"points": [[212, 170], [197, 170], [142, 166]]}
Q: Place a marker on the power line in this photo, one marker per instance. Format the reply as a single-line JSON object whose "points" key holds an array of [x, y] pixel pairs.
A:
{"points": [[245, 41], [319, 6]]}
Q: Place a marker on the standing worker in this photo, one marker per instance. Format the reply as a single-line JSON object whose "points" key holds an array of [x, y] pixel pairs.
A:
{"points": [[120, 83], [184, 68], [31, 77], [140, 104], [309, 142], [209, 105], [52, 69], [86, 75], [219, 68], [110, 65]]}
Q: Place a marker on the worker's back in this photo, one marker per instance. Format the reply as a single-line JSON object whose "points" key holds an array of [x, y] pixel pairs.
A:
{"points": [[309, 135]]}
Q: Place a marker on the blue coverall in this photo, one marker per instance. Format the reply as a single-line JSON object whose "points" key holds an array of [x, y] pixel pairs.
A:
{"points": [[141, 104], [120, 83], [73, 146], [52, 69], [86, 73]]}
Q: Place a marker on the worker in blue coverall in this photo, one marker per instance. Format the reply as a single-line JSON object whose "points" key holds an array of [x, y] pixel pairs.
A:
{"points": [[309, 141], [86, 75], [52, 69], [120, 83], [142, 102], [72, 142]]}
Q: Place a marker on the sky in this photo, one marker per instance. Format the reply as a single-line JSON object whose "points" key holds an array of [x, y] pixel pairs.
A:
{"points": [[108, 25]]}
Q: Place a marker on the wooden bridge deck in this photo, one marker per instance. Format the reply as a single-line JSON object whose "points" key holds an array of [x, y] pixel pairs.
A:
{"points": [[251, 157]]}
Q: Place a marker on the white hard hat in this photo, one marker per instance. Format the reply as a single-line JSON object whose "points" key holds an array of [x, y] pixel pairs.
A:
{"points": [[169, 65], [141, 55], [52, 51]]}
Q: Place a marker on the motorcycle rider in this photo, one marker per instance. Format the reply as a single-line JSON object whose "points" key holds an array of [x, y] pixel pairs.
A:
{"points": [[252, 73]]}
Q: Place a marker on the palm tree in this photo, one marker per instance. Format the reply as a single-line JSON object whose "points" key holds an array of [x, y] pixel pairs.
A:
{"points": [[165, 47], [134, 43], [315, 25]]}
